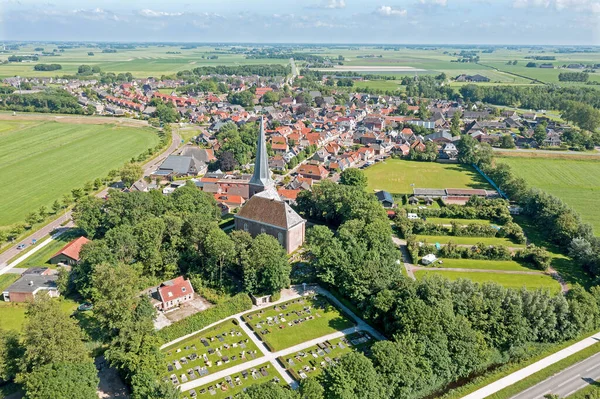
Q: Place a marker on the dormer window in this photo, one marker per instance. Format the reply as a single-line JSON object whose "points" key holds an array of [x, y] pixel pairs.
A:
{"points": [[170, 294], [182, 289]]}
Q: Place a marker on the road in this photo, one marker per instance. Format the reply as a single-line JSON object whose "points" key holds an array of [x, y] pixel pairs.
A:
{"points": [[533, 368], [65, 219], [567, 381]]}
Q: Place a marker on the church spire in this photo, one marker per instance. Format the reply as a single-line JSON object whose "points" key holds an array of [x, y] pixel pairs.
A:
{"points": [[261, 179]]}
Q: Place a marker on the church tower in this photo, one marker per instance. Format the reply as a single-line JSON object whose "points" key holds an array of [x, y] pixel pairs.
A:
{"points": [[261, 179]]}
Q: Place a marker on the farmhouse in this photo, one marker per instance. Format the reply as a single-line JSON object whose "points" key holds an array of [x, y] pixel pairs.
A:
{"points": [[31, 282], [171, 293], [69, 254]]}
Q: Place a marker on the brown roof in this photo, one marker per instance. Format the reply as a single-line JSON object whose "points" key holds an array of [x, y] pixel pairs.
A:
{"points": [[72, 249], [269, 211]]}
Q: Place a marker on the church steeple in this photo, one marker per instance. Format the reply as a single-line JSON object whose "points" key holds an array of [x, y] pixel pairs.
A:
{"points": [[261, 179]]}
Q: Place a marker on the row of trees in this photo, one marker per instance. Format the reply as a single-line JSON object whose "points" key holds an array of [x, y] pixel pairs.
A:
{"points": [[573, 76], [47, 101], [47, 67]]}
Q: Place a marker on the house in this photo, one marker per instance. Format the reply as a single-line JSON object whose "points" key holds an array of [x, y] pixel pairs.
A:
{"points": [[448, 151], [180, 165], [69, 254], [277, 163], [428, 259], [315, 172], [172, 293], [385, 198], [31, 282]]}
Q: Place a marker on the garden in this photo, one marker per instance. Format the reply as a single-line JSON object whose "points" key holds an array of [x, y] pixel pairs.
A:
{"points": [[283, 325]]}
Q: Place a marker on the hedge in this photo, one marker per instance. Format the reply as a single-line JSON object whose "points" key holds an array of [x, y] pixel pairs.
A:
{"points": [[198, 321]]}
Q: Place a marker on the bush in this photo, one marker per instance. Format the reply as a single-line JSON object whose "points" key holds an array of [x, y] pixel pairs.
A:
{"points": [[276, 296], [537, 256], [198, 321]]}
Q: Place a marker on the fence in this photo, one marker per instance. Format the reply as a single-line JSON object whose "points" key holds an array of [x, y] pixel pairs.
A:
{"points": [[486, 177]]}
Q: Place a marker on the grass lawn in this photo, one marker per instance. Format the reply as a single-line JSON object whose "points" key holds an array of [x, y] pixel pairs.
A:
{"points": [[7, 279], [12, 315], [223, 389], [468, 240], [549, 371], [397, 175], [510, 265], [41, 257], [296, 321], [42, 161], [222, 346], [507, 280], [310, 362], [463, 222], [576, 182]]}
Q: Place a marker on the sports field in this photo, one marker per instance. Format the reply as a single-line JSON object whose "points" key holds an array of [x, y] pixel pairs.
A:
{"points": [[41, 161], [529, 281], [397, 176], [577, 182]]}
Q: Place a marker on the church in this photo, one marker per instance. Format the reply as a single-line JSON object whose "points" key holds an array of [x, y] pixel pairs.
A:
{"points": [[265, 211]]}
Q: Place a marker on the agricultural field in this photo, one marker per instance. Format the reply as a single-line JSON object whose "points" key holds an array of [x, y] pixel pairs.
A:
{"points": [[529, 281], [222, 346], [293, 322], [311, 362], [41, 160], [237, 382], [504, 265], [576, 182], [468, 240], [397, 176]]}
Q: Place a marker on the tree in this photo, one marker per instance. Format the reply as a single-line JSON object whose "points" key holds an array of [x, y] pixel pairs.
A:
{"points": [[265, 266], [310, 388], [11, 352], [352, 377], [268, 390], [31, 218], [130, 173], [77, 193], [244, 98], [63, 381], [539, 133], [353, 177], [56, 206], [455, 123], [50, 336], [220, 251], [507, 141], [88, 215], [43, 212], [227, 161], [166, 113]]}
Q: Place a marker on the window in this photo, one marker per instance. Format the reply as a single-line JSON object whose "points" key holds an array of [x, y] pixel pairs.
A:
{"points": [[182, 289], [170, 294], [246, 227], [280, 237], [262, 230]]}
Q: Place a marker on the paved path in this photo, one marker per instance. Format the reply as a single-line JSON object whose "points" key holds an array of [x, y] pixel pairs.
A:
{"points": [[566, 382], [64, 220], [532, 368]]}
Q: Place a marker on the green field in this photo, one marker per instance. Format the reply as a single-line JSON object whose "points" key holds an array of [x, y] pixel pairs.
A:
{"points": [[42, 161], [577, 182], [12, 315], [297, 321], [483, 265], [396, 176], [226, 345], [528, 281], [222, 389], [468, 240]]}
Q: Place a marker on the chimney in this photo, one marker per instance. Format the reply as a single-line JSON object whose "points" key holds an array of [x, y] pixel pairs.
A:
{"points": [[30, 282]]}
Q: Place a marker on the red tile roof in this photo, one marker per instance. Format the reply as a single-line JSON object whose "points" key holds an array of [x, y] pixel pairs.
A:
{"points": [[176, 288], [72, 249]]}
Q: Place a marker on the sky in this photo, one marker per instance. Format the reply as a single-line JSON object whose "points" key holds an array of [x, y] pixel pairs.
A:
{"points": [[549, 22]]}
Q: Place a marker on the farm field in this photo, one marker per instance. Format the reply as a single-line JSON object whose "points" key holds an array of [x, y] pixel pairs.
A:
{"points": [[311, 362], [42, 161], [222, 346], [576, 182], [507, 280], [506, 265], [468, 240], [397, 175], [239, 381], [296, 321], [13, 314]]}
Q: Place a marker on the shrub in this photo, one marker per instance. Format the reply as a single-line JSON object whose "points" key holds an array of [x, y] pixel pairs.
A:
{"points": [[198, 321], [537, 256]]}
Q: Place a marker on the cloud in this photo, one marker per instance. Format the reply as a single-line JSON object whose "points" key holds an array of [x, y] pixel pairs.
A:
{"points": [[575, 5], [157, 14], [330, 4], [442, 3], [388, 11]]}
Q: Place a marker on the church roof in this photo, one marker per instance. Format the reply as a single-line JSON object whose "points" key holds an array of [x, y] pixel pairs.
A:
{"points": [[262, 174], [264, 209]]}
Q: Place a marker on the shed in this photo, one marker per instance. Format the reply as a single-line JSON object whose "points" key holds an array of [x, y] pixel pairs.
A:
{"points": [[428, 259], [69, 254]]}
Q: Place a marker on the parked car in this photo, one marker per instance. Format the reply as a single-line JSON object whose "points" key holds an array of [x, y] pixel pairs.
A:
{"points": [[21, 246]]}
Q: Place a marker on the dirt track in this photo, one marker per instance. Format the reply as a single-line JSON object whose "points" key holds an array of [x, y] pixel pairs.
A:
{"points": [[92, 120]]}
